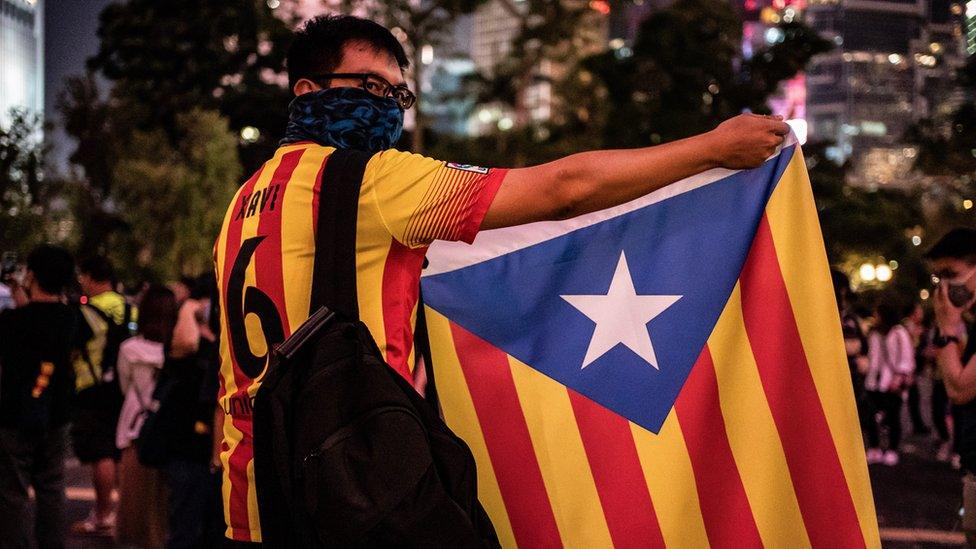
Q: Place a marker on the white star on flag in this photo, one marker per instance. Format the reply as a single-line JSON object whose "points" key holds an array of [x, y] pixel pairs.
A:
{"points": [[621, 316]]}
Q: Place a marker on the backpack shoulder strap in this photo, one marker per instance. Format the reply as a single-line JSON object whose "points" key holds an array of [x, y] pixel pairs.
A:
{"points": [[334, 275]]}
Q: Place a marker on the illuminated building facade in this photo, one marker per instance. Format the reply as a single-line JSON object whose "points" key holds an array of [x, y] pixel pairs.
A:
{"points": [[21, 57], [893, 65]]}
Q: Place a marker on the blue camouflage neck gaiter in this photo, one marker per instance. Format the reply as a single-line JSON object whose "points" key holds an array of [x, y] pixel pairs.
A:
{"points": [[345, 118]]}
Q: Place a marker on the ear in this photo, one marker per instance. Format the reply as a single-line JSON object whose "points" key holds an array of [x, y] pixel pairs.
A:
{"points": [[304, 85]]}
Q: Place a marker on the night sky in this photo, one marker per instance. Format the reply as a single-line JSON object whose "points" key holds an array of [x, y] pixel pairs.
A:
{"points": [[69, 40]]}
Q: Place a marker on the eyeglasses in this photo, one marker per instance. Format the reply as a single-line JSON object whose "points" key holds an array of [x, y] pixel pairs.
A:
{"points": [[376, 85]]}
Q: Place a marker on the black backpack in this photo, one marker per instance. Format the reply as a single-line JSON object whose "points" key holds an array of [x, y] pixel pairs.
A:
{"points": [[346, 453]]}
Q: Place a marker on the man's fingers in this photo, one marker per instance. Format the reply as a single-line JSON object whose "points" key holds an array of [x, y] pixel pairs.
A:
{"points": [[781, 128]]}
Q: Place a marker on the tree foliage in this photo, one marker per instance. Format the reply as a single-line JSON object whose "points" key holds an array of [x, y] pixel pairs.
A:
{"points": [[687, 72], [27, 200], [166, 58], [172, 198]]}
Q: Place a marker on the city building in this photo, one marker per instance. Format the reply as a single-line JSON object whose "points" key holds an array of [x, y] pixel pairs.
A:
{"points": [[894, 65], [22, 54]]}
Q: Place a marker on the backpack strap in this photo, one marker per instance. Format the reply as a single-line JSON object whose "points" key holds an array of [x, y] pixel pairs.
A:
{"points": [[334, 275]]}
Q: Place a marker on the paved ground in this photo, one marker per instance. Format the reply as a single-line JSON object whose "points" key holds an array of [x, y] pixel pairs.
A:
{"points": [[917, 501]]}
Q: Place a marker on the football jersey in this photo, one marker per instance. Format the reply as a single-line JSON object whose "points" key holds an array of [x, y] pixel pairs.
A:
{"points": [[264, 259]]}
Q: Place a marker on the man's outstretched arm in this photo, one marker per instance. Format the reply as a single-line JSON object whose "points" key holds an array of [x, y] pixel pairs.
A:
{"points": [[591, 181]]}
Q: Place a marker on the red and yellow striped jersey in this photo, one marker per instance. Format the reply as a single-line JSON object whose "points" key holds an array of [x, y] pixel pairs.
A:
{"points": [[264, 258]]}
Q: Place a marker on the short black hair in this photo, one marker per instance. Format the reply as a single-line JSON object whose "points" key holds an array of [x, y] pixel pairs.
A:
{"points": [[98, 267], [959, 243], [53, 268], [317, 45], [157, 314]]}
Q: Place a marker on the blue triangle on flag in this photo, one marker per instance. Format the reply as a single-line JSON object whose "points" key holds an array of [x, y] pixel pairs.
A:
{"points": [[692, 245]]}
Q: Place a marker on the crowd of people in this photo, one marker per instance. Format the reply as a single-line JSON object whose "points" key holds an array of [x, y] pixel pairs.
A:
{"points": [[893, 351], [126, 382]]}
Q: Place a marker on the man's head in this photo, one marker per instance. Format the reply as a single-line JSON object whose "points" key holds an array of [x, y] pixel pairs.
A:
{"points": [[953, 261], [49, 270], [343, 44], [96, 275]]}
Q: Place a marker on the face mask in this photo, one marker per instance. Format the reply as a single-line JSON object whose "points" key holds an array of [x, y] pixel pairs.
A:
{"points": [[345, 118]]}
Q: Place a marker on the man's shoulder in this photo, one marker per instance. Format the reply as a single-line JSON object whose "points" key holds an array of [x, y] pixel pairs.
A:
{"points": [[111, 304]]}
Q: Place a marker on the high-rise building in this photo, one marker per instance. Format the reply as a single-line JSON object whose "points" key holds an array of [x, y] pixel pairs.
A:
{"points": [[21, 57], [894, 65]]}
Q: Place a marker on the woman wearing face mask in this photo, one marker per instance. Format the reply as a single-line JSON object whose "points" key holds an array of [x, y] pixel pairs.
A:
{"points": [[891, 359]]}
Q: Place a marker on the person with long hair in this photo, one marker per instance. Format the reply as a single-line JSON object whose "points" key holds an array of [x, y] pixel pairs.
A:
{"points": [[891, 360], [142, 512]]}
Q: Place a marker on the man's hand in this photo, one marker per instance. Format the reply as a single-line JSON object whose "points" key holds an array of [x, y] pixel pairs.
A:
{"points": [[747, 140]]}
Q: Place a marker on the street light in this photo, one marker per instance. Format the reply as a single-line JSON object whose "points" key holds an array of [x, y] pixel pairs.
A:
{"points": [[250, 134], [882, 273], [867, 272]]}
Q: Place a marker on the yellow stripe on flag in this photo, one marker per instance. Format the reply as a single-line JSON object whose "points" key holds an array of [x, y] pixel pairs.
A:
{"points": [[752, 432], [671, 480], [799, 247], [562, 458], [455, 397]]}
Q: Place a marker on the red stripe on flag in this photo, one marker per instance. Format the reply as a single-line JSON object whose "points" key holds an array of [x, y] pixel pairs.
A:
{"points": [[400, 293], [815, 468], [612, 455], [237, 475], [725, 508], [489, 378]]}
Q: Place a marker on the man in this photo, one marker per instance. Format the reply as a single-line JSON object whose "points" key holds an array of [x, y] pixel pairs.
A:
{"points": [[953, 261], [105, 320], [347, 76], [36, 388]]}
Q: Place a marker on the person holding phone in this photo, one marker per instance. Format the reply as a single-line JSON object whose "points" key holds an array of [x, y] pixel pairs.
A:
{"points": [[953, 262]]}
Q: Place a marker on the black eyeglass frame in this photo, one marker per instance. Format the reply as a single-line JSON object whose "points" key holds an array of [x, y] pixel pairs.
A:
{"points": [[406, 99]]}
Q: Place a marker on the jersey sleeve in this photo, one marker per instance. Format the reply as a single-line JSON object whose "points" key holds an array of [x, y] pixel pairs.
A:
{"points": [[421, 199]]}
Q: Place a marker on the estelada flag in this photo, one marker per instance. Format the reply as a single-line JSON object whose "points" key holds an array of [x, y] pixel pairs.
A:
{"points": [[669, 372]]}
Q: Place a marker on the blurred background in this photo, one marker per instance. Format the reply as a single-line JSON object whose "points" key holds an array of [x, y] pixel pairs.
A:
{"points": [[124, 124], [127, 126]]}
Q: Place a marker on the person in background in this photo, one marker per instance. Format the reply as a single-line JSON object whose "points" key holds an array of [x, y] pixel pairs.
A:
{"points": [[953, 261], [36, 389], [195, 520], [891, 360], [194, 307], [182, 288], [856, 347], [914, 322], [105, 324], [940, 401], [142, 511]]}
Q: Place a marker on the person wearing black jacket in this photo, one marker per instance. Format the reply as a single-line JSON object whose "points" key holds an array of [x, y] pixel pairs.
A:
{"points": [[195, 520], [36, 389]]}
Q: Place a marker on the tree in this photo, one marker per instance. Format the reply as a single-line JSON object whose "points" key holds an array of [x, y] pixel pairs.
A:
{"points": [[166, 58], [27, 200], [172, 198], [99, 131], [687, 72]]}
